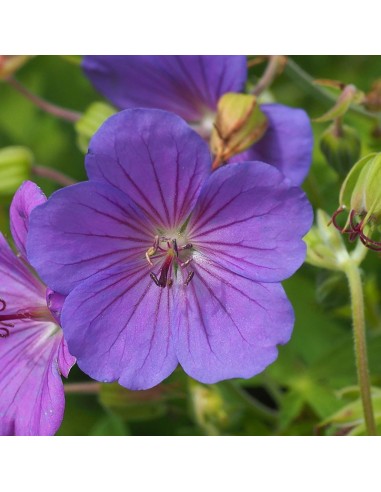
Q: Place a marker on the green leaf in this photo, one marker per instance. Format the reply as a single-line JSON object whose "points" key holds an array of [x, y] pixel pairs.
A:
{"points": [[291, 407]]}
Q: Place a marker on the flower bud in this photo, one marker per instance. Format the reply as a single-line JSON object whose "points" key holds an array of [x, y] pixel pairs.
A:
{"points": [[239, 124], [360, 194], [208, 408], [9, 64], [341, 147], [15, 167], [94, 116], [325, 245]]}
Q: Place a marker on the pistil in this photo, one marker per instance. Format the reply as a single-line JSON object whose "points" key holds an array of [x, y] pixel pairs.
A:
{"points": [[172, 257]]}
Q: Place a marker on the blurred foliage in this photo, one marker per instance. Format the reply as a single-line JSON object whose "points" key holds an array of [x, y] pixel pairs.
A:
{"points": [[303, 392]]}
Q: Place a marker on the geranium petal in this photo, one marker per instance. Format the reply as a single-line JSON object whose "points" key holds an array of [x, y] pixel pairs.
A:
{"points": [[18, 287], [64, 359], [55, 301], [32, 398], [155, 158], [185, 85], [118, 325], [251, 220], [287, 143], [26, 198], [229, 326], [83, 229]]}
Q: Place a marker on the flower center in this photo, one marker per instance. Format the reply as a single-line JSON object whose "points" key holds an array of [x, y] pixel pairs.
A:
{"points": [[40, 313], [172, 258]]}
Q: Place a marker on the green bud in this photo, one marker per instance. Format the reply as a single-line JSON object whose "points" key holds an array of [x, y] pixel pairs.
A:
{"points": [[239, 124], [94, 116], [325, 245], [15, 167], [208, 408], [361, 190], [341, 147], [360, 195]]}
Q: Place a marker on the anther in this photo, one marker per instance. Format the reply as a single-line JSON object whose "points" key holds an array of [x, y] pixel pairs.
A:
{"points": [[174, 245], [155, 279], [187, 246], [184, 264], [189, 278]]}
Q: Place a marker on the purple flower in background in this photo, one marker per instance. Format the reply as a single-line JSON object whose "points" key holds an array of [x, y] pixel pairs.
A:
{"points": [[191, 86], [165, 262], [33, 353]]}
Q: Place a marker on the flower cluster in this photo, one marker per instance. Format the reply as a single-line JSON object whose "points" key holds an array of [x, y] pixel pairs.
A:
{"points": [[156, 260]]}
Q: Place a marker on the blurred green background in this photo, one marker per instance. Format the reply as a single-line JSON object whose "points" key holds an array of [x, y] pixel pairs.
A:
{"points": [[299, 393]]}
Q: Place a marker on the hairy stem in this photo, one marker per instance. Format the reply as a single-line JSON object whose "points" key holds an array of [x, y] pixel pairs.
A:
{"points": [[82, 388], [62, 113], [357, 297]]}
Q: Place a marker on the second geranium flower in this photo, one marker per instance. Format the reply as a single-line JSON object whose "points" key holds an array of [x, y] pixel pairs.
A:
{"points": [[165, 262]]}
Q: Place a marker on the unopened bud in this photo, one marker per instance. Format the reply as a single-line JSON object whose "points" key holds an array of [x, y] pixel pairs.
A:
{"points": [[239, 124], [9, 64], [15, 167], [94, 116], [325, 245], [208, 408], [360, 195], [341, 147]]}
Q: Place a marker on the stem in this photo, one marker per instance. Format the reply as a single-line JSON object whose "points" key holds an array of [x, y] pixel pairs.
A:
{"points": [[306, 82], [268, 76], [338, 127], [357, 297], [53, 175], [82, 388], [64, 114]]}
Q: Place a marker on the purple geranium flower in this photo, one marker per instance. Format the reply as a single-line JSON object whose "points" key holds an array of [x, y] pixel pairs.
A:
{"points": [[191, 86], [165, 262], [33, 353]]}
